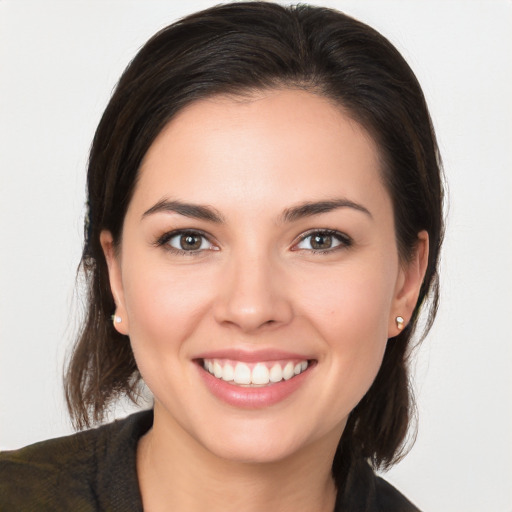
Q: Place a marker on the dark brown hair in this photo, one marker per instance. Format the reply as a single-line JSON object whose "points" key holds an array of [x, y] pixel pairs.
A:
{"points": [[235, 49]]}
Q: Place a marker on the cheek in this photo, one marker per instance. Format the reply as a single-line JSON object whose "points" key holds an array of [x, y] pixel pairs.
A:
{"points": [[348, 301], [350, 313], [163, 306]]}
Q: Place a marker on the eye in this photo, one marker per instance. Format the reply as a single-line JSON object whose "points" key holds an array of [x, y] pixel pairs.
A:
{"points": [[323, 241], [186, 241]]}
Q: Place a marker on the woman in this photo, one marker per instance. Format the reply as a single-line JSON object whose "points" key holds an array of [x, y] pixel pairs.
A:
{"points": [[264, 226]]}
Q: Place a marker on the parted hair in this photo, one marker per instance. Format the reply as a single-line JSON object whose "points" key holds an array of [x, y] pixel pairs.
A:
{"points": [[239, 48]]}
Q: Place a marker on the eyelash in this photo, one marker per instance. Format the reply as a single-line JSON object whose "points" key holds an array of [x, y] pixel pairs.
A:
{"points": [[167, 237], [344, 241]]}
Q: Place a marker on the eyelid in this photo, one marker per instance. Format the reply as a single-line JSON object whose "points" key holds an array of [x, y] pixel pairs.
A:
{"points": [[345, 240], [167, 236]]}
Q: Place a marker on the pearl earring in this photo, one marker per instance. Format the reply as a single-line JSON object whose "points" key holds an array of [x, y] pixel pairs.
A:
{"points": [[116, 319], [399, 322]]}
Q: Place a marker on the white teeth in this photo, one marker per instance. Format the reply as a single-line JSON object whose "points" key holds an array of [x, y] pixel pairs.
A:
{"points": [[242, 374], [260, 374], [276, 373], [288, 371], [228, 373], [217, 370]]}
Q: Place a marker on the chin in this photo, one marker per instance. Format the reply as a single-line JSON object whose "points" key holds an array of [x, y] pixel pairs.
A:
{"points": [[267, 442], [259, 451]]}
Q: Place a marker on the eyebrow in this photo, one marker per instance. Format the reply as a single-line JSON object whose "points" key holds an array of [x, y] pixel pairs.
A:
{"points": [[306, 209], [194, 211], [311, 208]]}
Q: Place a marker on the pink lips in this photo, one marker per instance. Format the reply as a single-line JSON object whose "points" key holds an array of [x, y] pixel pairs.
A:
{"points": [[253, 356], [252, 397]]}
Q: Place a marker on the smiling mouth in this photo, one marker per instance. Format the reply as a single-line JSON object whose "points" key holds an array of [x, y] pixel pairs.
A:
{"points": [[254, 374]]}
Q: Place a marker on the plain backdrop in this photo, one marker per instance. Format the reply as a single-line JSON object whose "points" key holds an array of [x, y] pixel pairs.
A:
{"points": [[59, 61]]}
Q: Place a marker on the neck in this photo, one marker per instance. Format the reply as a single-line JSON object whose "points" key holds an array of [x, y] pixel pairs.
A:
{"points": [[176, 473]]}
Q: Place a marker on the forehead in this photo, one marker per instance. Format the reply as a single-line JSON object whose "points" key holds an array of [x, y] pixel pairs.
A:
{"points": [[291, 142]]}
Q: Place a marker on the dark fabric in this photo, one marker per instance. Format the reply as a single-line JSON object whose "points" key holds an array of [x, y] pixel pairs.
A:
{"points": [[89, 471], [95, 470]]}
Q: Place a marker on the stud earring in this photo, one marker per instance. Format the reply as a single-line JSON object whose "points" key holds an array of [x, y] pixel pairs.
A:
{"points": [[399, 322], [116, 319]]}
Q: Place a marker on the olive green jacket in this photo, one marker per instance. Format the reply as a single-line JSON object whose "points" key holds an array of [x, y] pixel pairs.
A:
{"points": [[95, 470]]}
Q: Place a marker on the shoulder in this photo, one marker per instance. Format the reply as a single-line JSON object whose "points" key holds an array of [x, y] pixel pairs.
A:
{"points": [[364, 491], [58, 469], [391, 499], [72, 472]]}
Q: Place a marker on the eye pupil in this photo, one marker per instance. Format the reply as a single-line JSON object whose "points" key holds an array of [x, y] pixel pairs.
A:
{"points": [[190, 242], [321, 241]]}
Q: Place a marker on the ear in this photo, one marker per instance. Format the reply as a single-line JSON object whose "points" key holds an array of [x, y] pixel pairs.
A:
{"points": [[408, 285], [116, 281]]}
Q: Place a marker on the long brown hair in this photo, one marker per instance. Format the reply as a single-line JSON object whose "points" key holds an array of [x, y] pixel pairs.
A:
{"points": [[236, 48]]}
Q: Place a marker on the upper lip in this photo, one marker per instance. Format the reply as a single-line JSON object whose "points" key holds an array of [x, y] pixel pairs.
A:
{"points": [[252, 356]]}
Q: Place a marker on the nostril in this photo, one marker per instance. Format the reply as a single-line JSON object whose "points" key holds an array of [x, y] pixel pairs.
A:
{"points": [[249, 302]]}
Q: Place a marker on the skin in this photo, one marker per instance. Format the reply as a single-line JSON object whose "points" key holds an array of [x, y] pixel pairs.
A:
{"points": [[255, 284]]}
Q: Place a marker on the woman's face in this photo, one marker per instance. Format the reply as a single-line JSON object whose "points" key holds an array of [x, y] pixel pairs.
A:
{"points": [[258, 276]]}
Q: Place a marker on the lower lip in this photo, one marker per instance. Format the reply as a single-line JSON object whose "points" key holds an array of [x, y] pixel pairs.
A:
{"points": [[252, 397]]}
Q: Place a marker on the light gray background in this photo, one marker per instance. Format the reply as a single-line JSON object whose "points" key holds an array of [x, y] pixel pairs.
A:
{"points": [[58, 64]]}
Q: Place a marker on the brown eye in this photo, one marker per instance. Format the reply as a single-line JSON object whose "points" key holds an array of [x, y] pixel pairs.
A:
{"points": [[323, 241], [187, 241], [190, 242]]}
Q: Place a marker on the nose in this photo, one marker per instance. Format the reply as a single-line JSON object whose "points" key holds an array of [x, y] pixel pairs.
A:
{"points": [[253, 295]]}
